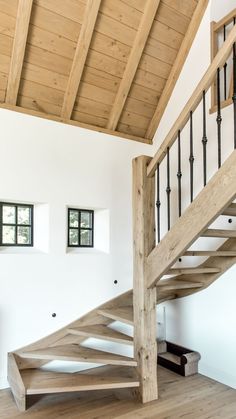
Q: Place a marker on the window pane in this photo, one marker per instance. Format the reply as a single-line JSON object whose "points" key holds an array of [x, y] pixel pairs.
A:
{"points": [[8, 235], [8, 214], [23, 235], [73, 237], [86, 238], [74, 218], [86, 219], [23, 215]]}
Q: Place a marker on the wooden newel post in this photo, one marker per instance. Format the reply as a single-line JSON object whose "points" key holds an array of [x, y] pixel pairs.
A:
{"points": [[145, 345]]}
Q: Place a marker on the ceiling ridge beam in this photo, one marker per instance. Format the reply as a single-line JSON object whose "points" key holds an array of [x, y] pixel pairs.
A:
{"points": [[81, 52], [177, 67], [18, 50], [133, 62]]}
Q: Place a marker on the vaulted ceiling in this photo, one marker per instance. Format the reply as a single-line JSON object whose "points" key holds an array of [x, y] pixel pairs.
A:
{"points": [[106, 65]]}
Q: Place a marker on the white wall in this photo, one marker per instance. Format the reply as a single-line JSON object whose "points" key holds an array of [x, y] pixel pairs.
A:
{"points": [[206, 321], [59, 165]]}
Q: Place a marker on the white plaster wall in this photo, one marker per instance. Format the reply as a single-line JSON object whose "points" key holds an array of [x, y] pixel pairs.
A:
{"points": [[206, 321], [59, 165]]}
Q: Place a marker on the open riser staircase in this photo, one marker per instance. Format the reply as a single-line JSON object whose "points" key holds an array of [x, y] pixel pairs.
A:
{"points": [[156, 279]]}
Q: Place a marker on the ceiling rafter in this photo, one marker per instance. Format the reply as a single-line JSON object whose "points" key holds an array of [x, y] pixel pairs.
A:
{"points": [[18, 50], [177, 67], [85, 36], [133, 62]]}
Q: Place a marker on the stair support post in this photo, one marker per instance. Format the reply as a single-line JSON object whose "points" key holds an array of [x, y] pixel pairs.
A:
{"points": [[145, 343]]}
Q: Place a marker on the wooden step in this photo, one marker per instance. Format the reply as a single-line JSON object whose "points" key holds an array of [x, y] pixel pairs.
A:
{"points": [[231, 210], [121, 314], [37, 381], [78, 353], [217, 253], [99, 331], [176, 284], [189, 271], [211, 232]]}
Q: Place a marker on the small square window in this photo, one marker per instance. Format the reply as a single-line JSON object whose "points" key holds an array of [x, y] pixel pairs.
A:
{"points": [[80, 227], [16, 224]]}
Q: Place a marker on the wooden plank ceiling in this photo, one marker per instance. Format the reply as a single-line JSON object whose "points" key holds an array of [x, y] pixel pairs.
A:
{"points": [[106, 65]]}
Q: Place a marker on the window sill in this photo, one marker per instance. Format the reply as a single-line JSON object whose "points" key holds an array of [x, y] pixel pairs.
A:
{"points": [[84, 251], [5, 250]]}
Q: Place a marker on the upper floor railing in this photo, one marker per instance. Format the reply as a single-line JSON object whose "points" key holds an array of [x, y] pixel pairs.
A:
{"points": [[215, 70], [219, 33]]}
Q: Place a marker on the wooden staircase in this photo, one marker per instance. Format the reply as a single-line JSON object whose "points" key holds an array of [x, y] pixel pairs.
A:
{"points": [[156, 280], [25, 369]]}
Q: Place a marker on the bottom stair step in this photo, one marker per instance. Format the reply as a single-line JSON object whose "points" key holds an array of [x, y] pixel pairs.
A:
{"points": [[37, 381]]}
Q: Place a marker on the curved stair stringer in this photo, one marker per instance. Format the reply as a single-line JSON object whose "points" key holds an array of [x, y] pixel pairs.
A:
{"points": [[63, 336], [90, 318]]}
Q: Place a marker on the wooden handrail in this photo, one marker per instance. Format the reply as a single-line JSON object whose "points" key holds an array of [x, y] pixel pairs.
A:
{"points": [[193, 102]]}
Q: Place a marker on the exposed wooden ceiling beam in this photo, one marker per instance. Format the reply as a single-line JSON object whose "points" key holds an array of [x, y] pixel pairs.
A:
{"points": [[133, 62], [85, 36], [177, 67], [18, 50]]}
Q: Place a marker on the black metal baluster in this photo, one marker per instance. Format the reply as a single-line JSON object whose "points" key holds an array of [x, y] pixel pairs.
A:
{"points": [[225, 70], [179, 173], [158, 204], [234, 91], [204, 139], [219, 118], [191, 157], [168, 189]]}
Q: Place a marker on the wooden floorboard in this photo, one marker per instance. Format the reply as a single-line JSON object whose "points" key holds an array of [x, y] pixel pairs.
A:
{"points": [[195, 397]]}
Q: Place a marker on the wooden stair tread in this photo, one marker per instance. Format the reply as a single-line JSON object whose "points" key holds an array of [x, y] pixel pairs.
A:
{"points": [[171, 357], [189, 271], [123, 314], [212, 232], [177, 284], [37, 381], [78, 353], [103, 332], [231, 210], [218, 253]]}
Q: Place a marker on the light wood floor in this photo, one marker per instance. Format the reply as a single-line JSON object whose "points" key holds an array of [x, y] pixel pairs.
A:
{"points": [[194, 397]]}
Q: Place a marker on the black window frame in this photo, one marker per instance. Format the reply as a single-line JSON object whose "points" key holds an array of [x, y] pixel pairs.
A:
{"points": [[79, 228], [16, 224]]}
